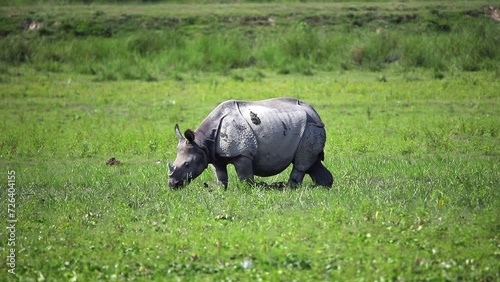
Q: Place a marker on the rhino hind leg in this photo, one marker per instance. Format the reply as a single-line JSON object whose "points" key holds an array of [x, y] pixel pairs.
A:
{"points": [[308, 158], [296, 177], [320, 174]]}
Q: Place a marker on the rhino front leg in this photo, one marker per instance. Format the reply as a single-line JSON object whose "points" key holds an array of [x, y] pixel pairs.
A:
{"points": [[244, 168], [296, 177], [221, 173]]}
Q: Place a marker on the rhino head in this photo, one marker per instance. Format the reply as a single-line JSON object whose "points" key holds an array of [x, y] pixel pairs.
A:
{"points": [[191, 160]]}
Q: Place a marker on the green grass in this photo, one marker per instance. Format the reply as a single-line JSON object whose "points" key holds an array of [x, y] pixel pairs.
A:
{"points": [[148, 42], [415, 160], [412, 122]]}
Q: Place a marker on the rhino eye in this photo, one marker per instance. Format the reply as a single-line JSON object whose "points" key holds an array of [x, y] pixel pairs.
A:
{"points": [[186, 164]]}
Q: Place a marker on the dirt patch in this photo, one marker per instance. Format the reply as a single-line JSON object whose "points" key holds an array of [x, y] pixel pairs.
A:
{"points": [[280, 186], [493, 12], [252, 20], [255, 119], [113, 161]]}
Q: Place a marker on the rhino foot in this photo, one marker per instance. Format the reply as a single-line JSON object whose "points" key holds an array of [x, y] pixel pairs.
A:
{"points": [[296, 178]]}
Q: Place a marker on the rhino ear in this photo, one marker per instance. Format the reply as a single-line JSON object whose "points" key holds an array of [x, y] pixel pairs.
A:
{"points": [[178, 133], [189, 135]]}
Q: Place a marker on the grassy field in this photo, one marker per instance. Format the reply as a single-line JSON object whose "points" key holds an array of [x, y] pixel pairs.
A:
{"points": [[157, 42], [414, 149]]}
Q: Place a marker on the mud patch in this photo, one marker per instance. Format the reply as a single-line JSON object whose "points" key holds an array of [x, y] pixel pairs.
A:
{"points": [[223, 135], [280, 186], [113, 161], [285, 128], [251, 20], [255, 119]]}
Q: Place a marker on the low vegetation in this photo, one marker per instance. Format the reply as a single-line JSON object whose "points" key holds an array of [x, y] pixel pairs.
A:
{"points": [[115, 42]]}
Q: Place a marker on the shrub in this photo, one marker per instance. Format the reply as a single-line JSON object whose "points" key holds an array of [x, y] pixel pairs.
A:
{"points": [[418, 53], [153, 42], [374, 51], [16, 49], [218, 52], [83, 45]]}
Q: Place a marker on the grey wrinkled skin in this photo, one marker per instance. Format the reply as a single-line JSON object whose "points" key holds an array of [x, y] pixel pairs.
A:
{"points": [[191, 160], [259, 138]]}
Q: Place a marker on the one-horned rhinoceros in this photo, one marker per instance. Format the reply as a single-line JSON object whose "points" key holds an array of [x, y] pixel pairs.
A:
{"points": [[259, 138]]}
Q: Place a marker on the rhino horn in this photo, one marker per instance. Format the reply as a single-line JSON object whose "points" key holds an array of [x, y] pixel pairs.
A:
{"points": [[178, 133], [171, 169]]}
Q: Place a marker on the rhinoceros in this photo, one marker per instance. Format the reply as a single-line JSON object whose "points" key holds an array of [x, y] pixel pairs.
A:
{"points": [[259, 138]]}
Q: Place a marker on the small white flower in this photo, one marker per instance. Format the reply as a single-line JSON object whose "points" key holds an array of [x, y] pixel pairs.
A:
{"points": [[247, 263]]}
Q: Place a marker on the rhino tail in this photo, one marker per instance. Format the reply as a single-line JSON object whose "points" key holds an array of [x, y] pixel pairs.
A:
{"points": [[321, 156]]}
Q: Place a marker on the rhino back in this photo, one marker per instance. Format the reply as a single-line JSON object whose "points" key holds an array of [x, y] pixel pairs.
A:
{"points": [[278, 132], [287, 104], [268, 131]]}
